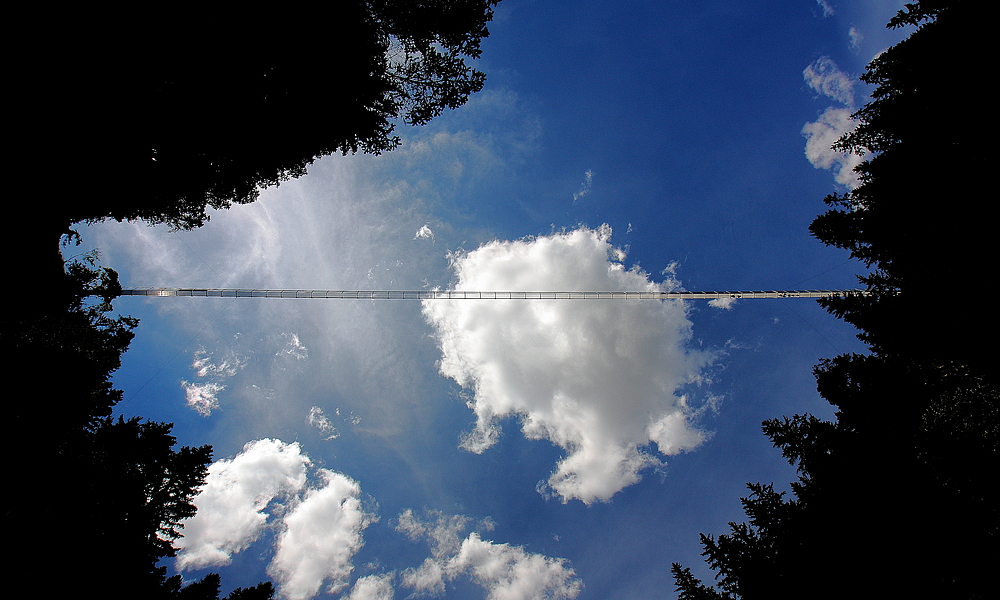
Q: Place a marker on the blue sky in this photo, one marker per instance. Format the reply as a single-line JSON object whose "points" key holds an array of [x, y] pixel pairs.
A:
{"points": [[392, 449]]}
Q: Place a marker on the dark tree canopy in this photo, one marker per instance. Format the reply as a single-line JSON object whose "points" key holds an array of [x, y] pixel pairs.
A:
{"points": [[922, 218], [159, 112], [75, 334], [208, 589], [894, 497], [109, 493], [172, 110]]}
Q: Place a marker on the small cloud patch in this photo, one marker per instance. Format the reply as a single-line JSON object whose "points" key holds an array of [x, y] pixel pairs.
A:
{"points": [[424, 233], [824, 77], [319, 420], [723, 303]]}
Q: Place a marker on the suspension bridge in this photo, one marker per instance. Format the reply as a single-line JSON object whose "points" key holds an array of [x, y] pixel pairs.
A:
{"points": [[484, 295]]}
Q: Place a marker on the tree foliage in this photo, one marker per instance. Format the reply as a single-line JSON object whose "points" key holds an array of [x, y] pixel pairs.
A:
{"points": [[141, 484], [111, 492], [920, 218], [894, 497], [186, 111], [208, 589], [160, 113], [70, 330]]}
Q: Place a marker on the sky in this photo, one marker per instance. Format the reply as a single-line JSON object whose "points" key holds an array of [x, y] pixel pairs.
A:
{"points": [[517, 449]]}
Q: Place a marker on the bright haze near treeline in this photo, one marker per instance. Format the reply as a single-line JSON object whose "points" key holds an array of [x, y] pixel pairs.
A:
{"points": [[509, 449]]}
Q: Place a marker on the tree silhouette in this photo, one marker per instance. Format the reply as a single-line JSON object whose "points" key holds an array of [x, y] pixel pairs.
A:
{"points": [[160, 113], [131, 490], [163, 113], [208, 589], [893, 497], [193, 110], [118, 488], [919, 219]]}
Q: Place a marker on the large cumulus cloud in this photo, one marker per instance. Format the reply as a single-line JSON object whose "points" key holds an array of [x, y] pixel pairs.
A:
{"points": [[600, 379]]}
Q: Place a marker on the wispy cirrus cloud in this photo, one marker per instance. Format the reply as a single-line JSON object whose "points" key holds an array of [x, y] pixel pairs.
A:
{"points": [[824, 77], [442, 532], [856, 37], [588, 181], [203, 396], [318, 419], [602, 380], [293, 347]]}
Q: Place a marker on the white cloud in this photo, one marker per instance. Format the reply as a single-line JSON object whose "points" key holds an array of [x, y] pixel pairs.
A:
{"points": [[856, 36], [443, 533], [424, 233], [824, 77], [320, 536], [506, 572], [351, 418], [320, 531], [429, 578], [204, 367], [294, 348], [827, 8], [372, 587], [588, 180], [723, 303], [600, 379], [202, 397], [231, 505], [319, 420], [822, 134]]}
